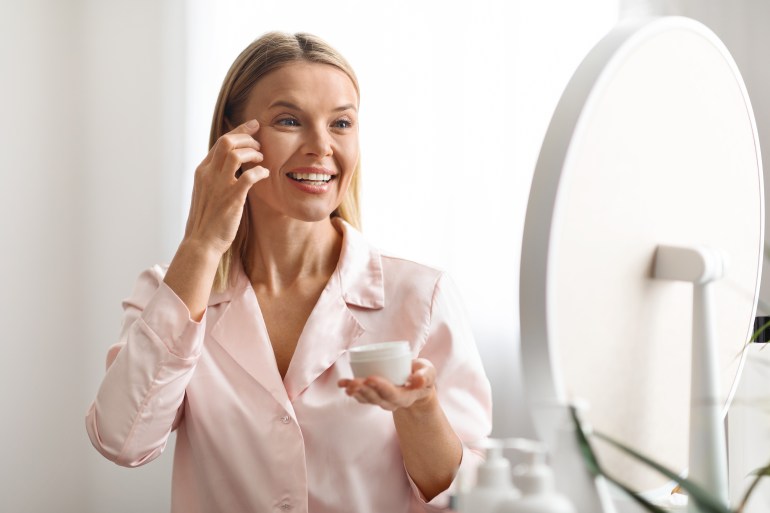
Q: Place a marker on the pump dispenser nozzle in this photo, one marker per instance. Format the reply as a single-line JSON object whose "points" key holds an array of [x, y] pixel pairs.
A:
{"points": [[495, 472], [493, 480], [534, 476], [535, 480]]}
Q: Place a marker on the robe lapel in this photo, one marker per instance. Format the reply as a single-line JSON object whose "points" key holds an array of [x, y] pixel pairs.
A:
{"points": [[332, 328], [329, 331], [242, 333]]}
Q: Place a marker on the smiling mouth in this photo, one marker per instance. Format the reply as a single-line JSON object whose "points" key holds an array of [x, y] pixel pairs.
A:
{"points": [[311, 178]]}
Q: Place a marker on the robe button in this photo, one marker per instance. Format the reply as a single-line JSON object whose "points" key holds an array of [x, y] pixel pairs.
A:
{"points": [[285, 419]]}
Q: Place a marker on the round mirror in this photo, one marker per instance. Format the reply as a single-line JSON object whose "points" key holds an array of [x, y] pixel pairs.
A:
{"points": [[653, 142]]}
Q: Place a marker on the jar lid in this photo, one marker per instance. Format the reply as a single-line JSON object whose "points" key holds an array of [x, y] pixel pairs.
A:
{"points": [[379, 351]]}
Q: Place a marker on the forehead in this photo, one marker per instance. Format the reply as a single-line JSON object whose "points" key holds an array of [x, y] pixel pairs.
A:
{"points": [[304, 83]]}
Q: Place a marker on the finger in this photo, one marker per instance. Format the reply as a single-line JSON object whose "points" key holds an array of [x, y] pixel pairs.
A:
{"points": [[384, 389], [240, 136], [237, 138], [226, 144], [417, 381], [390, 397], [249, 127], [237, 157], [353, 385], [251, 176], [393, 397], [385, 405], [421, 363], [230, 141], [413, 382], [423, 374], [371, 396]]}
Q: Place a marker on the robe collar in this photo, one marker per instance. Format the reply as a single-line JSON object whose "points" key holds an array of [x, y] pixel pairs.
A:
{"points": [[331, 329]]}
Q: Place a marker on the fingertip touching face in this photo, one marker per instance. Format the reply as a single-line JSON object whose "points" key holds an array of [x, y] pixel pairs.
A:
{"points": [[308, 132]]}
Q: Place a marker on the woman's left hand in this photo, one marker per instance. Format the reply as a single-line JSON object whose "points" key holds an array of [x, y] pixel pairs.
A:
{"points": [[419, 387]]}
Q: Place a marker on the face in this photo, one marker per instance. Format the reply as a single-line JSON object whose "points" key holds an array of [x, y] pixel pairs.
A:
{"points": [[308, 117]]}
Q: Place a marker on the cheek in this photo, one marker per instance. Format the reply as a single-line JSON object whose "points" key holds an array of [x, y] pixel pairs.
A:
{"points": [[348, 154], [347, 178], [275, 149]]}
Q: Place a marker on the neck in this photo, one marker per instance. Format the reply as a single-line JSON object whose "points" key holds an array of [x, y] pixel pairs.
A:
{"points": [[282, 252]]}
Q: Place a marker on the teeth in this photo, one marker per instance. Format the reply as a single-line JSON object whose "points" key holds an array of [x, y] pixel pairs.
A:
{"points": [[311, 177]]}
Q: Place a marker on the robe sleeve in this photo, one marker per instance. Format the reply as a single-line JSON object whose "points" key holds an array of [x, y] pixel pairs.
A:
{"points": [[463, 388], [140, 399]]}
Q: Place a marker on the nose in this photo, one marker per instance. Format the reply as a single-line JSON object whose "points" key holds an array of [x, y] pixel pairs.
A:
{"points": [[318, 142]]}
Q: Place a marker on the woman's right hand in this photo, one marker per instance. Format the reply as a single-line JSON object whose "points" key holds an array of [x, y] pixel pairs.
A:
{"points": [[219, 192], [219, 195]]}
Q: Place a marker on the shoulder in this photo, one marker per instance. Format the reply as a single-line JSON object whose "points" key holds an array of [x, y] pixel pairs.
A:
{"points": [[371, 276], [406, 276], [395, 266]]}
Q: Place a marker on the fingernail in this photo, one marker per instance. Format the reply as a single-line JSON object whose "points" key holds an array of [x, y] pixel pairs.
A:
{"points": [[252, 123]]}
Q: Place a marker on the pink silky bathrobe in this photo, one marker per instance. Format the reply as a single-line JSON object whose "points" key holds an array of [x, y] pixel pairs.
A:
{"points": [[251, 442]]}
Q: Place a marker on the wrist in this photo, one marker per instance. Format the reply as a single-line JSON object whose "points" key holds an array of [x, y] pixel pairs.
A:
{"points": [[200, 250], [191, 275]]}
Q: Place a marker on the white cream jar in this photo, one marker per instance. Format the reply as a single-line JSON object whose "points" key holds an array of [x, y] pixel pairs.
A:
{"points": [[390, 360]]}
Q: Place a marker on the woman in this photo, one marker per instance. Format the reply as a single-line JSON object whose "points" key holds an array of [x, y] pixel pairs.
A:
{"points": [[240, 343]]}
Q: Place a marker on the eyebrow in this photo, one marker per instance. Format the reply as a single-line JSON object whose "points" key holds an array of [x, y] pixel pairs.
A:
{"points": [[290, 105]]}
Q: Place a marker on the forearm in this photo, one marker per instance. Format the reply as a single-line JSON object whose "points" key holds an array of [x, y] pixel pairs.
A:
{"points": [[138, 400], [431, 450], [191, 275], [137, 403]]}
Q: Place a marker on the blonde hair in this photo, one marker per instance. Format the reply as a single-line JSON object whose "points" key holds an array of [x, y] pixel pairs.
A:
{"points": [[266, 54]]}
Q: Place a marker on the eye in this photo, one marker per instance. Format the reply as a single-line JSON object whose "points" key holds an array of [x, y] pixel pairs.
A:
{"points": [[342, 123], [287, 122]]}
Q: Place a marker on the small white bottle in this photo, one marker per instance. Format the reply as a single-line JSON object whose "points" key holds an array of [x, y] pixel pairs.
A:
{"points": [[493, 483], [538, 493]]}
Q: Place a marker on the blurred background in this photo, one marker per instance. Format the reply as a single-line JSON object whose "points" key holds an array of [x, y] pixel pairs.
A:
{"points": [[105, 110]]}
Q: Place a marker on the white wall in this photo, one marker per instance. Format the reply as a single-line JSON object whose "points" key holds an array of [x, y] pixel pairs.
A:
{"points": [[91, 130], [41, 367], [133, 125]]}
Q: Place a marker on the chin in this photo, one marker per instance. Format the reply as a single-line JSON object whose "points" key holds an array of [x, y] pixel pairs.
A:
{"points": [[313, 217]]}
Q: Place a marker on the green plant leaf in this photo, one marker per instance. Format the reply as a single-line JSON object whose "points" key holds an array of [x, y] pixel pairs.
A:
{"points": [[649, 506], [760, 473], [757, 333], [585, 447], [592, 462], [705, 501]]}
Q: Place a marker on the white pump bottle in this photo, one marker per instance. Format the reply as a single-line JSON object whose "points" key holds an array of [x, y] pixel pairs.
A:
{"points": [[493, 482], [535, 481]]}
